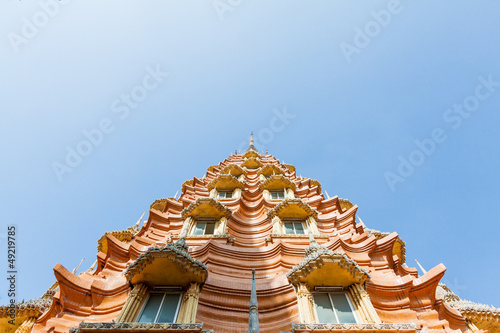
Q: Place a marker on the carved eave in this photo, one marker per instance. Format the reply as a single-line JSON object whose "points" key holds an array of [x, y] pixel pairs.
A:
{"points": [[252, 163], [485, 317], [233, 169], [225, 182], [277, 182], [292, 208], [290, 167], [206, 208], [251, 153], [189, 182], [323, 267], [399, 247], [313, 182], [269, 170], [125, 236], [31, 308], [159, 204], [345, 204], [212, 168], [354, 328], [170, 265], [138, 327]]}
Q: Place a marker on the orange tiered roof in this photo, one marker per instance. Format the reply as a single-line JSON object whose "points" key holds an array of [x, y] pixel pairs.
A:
{"points": [[397, 293]]}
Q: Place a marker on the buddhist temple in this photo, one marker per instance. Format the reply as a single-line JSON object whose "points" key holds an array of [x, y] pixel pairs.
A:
{"points": [[249, 247]]}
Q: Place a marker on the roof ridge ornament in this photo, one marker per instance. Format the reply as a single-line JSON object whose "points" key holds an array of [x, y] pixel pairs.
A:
{"points": [[253, 317]]}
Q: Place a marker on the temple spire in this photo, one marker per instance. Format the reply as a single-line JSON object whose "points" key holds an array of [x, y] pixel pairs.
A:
{"points": [[253, 318], [252, 146]]}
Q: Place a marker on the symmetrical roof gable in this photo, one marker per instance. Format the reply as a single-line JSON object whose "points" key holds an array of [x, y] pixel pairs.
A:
{"points": [[292, 208], [206, 207]]}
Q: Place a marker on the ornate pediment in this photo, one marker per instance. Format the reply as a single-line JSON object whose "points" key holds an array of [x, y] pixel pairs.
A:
{"points": [[225, 182], [159, 204], [277, 182], [170, 265], [252, 163], [233, 169], [292, 208], [270, 169], [251, 153], [323, 267], [206, 208]]}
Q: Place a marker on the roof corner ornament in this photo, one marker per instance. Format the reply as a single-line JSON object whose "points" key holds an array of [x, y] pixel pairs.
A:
{"points": [[253, 318]]}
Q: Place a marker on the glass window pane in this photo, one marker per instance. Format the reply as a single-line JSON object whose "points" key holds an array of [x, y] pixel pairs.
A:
{"points": [[229, 195], [199, 229], [168, 308], [324, 309], [344, 311], [289, 229], [299, 228], [148, 315], [222, 195], [209, 230], [274, 195]]}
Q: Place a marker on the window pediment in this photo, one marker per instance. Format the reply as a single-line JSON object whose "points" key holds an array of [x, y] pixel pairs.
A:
{"points": [[233, 169], [323, 267], [252, 163], [167, 266], [251, 153], [206, 208], [277, 182], [292, 208], [225, 182], [269, 170]]}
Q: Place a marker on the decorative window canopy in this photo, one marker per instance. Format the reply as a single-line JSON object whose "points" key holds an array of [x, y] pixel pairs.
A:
{"points": [[159, 204], [277, 182], [251, 153], [322, 268], [233, 169], [170, 265], [292, 208], [206, 208], [252, 163], [269, 170], [225, 182]]}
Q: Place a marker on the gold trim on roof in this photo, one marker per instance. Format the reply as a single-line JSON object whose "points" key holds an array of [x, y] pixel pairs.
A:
{"points": [[292, 208], [252, 162], [206, 207], [233, 169], [277, 182], [269, 170], [225, 182]]}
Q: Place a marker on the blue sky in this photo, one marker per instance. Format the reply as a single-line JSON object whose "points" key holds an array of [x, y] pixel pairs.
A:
{"points": [[341, 90]]}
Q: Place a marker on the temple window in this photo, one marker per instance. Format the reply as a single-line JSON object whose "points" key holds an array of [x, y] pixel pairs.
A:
{"points": [[277, 195], [204, 227], [161, 308], [294, 227], [335, 308], [225, 194]]}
